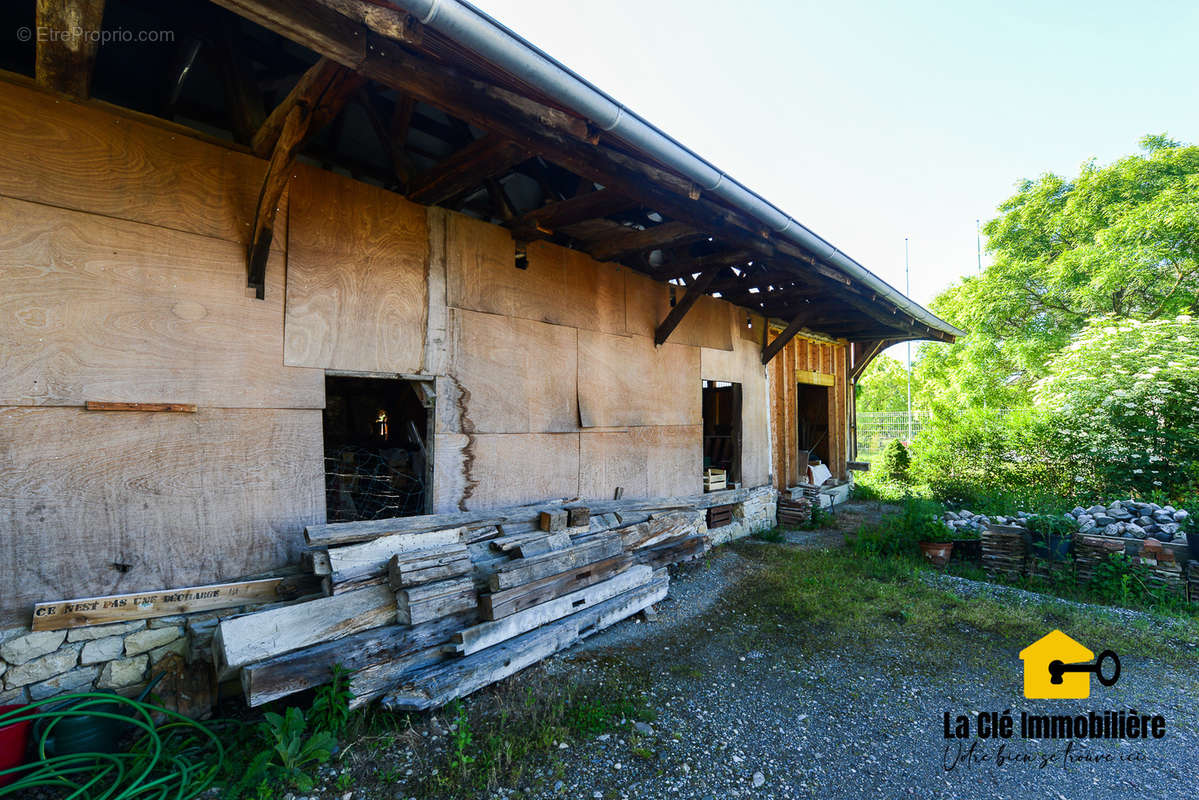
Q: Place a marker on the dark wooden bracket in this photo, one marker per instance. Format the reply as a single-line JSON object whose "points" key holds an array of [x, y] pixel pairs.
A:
{"points": [[695, 291], [316, 99], [777, 344]]}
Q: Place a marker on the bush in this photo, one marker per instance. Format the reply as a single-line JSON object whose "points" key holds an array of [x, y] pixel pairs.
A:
{"points": [[988, 459], [897, 463], [1125, 397], [901, 534]]}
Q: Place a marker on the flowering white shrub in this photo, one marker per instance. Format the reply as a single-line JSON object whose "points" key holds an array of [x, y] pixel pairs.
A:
{"points": [[1125, 395]]}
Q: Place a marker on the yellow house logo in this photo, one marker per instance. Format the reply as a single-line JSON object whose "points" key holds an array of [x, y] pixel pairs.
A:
{"points": [[1056, 668]]}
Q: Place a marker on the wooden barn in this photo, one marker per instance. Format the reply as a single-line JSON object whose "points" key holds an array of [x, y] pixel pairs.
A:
{"points": [[269, 265]]}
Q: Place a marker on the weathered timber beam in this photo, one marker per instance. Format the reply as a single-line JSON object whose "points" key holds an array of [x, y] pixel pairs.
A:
{"points": [[466, 169], [317, 98], [295, 128], [635, 241], [558, 136], [67, 41], [777, 344], [322, 30], [243, 100], [380, 19], [688, 267], [694, 292], [580, 208], [323, 89], [863, 354]]}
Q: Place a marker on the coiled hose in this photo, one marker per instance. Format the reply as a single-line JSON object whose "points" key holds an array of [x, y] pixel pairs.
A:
{"points": [[176, 759]]}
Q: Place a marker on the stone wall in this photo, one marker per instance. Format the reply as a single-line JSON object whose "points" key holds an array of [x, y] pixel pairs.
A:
{"points": [[35, 665], [756, 513]]}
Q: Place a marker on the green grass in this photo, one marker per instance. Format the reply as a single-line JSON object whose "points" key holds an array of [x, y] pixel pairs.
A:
{"points": [[520, 722], [835, 598]]}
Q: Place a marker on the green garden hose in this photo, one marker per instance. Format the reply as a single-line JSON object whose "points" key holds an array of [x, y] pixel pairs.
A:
{"points": [[174, 759]]}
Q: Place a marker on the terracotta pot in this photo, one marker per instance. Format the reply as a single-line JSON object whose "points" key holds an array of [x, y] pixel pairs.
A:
{"points": [[937, 552]]}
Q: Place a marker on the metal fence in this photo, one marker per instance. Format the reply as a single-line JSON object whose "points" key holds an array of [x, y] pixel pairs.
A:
{"points": [[877, 428]]}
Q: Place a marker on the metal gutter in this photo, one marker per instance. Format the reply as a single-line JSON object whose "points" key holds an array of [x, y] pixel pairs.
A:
{"points": [[463, 23]]}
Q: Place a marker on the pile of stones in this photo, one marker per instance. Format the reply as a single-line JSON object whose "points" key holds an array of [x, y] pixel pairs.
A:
{"points": [[1131, 519]]}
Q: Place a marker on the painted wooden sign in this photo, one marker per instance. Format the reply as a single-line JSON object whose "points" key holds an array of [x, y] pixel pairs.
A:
{"points": [[162, 603]]}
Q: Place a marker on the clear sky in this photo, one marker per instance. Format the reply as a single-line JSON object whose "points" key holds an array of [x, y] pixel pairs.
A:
{"points": [[870, 121]]}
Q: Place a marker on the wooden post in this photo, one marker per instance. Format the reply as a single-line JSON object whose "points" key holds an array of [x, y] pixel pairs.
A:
{"points": [[67, 33]]}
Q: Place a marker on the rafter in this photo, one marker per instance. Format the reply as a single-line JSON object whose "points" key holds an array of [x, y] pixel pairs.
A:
{"points": [[633, 240], [580, 208], [468, 168]]}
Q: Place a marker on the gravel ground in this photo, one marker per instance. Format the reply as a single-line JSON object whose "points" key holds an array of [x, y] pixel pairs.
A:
{"points": [[744, 711]]}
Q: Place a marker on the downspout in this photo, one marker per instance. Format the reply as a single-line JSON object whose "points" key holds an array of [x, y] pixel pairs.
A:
{"points": [[462, 22]]}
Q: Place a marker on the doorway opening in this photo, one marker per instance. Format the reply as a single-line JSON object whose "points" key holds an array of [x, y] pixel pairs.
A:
{"points": [[812, 407], [722, 428], [377, 461]]}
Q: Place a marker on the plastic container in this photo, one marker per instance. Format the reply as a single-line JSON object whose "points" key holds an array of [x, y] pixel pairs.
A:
{"points": [[14, 739]]}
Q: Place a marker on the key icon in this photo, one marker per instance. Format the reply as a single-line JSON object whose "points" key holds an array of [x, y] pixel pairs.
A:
{"points": [[1057, 669]]}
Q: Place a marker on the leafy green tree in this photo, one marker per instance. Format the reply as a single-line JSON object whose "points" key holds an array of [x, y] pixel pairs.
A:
{"points": [[1119, 239], [883, 386]]}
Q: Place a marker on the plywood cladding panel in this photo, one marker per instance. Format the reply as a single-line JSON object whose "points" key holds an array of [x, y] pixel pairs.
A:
{"points": [[626, 381], [474, 471], [102, 503], [82, 157], [356, 276], [743, 365], [97, 308], [557, 285], [707, 324], [656, 461], [511, 375]]}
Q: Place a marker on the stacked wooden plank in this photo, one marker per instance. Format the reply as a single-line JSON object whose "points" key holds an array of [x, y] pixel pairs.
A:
{"points": [[1004, 551], [425, 609], [794, 512], [1192, 573]]}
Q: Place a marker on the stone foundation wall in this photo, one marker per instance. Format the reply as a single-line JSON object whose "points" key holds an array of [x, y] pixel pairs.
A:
{"points": [[35, 665], [756, 513]]}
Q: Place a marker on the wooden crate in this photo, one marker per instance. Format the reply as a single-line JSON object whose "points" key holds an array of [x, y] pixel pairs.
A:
{"points": [[719, 516], [715, 480]]}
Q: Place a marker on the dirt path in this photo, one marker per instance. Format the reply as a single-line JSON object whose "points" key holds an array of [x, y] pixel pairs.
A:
{"points": [[742, 700]]}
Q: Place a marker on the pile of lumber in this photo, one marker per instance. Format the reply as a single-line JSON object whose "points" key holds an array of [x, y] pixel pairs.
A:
{"points": [[422, 610], [795, 512], [1004, 551], [1192, 573]]}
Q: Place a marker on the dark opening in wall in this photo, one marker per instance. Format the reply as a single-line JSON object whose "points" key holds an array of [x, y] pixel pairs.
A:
{"points": [[376, 459], [722, 428], [812, 407]]}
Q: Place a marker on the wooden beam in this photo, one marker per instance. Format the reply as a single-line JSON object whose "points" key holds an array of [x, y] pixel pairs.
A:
{"points": [[323, 89], [315, 99], [243, 100], [561, 137], [695, 291], [295, 128], [779, 342], [466, 169], [864, 353], [580, 208], [632, 240], [688, 267], [68, 36]]}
